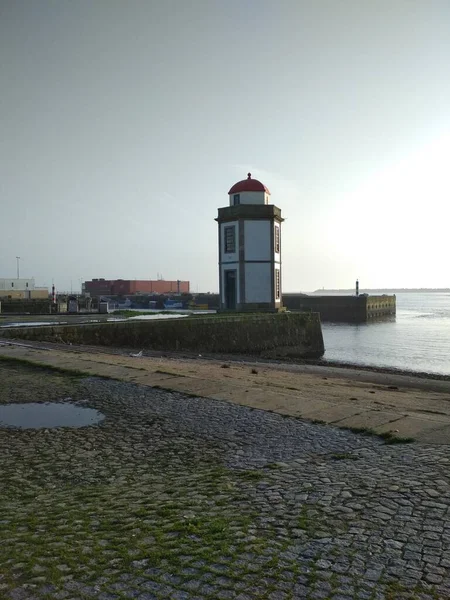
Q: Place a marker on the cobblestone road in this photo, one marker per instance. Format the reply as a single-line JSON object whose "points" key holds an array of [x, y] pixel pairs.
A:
{"points": [[183, 498]]}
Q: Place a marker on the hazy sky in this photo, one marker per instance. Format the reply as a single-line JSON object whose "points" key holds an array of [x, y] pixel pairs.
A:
{"points": [[124, 123]]}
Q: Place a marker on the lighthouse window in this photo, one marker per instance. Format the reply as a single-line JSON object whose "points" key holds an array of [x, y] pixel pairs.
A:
{"points": [[230, 239], [236, 199], [277, 283], [277, 239]]}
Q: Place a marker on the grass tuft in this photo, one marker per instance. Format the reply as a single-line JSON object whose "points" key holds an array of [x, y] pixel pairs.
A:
{"points": [[251, 475], [171, 373], [344, 456], [394, 439], [47, 368], [388, 436]]}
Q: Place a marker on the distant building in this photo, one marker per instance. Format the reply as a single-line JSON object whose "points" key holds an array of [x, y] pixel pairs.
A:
{"points": [[129, 287], [24, 289]]}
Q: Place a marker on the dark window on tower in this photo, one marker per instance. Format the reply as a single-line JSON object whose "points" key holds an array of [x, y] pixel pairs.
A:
{"points": [[277, 284], [230, 239], [12, 283], [26, 284], [277, 239], [236, 199]]}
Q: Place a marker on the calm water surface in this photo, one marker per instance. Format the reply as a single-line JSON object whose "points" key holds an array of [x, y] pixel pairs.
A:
{"points": [[35, 415], [417, 339]]}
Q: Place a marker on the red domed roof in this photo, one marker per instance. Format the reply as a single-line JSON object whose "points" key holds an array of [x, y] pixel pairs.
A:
{"points": [[248, 185]]}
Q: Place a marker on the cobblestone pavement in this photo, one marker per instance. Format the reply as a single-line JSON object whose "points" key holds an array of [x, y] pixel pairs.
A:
{"points": [[183, 498]]}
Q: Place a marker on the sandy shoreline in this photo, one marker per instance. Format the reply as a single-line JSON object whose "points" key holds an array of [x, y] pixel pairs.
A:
{"points": [[405, 406], [356, 372]]}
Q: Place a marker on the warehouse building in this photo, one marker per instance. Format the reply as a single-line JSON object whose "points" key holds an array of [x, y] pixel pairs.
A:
{"points": [[129, 287]]}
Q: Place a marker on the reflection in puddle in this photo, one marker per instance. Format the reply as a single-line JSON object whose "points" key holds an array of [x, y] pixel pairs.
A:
{"points": [[33, 415]]}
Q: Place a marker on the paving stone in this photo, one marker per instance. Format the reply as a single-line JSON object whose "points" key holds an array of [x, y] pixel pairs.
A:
{"points": [[433, 578], [181, 497], [179, 595]]}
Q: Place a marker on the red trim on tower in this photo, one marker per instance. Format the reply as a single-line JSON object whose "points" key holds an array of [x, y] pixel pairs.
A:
{"points": [[248, 185]]}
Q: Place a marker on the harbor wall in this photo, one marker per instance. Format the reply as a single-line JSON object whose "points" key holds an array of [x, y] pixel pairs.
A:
{"points": [[269, 335], [347, 309]]}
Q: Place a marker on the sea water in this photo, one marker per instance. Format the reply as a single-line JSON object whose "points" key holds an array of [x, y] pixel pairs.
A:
{"points": [[417, 339]]}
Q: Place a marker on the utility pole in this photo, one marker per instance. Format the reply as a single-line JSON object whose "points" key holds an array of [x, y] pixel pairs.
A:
{"points": [[18, 271]]}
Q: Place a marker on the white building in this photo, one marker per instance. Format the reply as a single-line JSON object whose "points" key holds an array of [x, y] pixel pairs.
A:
{"points": [[250, 249], [21, 288]]}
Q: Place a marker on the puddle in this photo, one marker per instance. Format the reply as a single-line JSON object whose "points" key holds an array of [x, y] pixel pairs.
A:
{"points": [[33, 415]]}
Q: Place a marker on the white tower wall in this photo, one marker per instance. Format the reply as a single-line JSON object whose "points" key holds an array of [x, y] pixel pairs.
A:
{"points": [[250, 249], [258, 282], [257, 240], [249, 198]]}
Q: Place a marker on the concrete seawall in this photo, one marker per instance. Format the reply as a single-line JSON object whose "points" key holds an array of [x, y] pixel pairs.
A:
{"points": [[269, 335], [347, 309]]}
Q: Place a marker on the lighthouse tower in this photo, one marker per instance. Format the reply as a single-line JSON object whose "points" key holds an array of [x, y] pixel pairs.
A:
{"points": [[250, 249]]}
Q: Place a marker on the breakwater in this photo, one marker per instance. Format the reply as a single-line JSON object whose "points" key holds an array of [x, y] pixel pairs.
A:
{"points": [[269, 335], [346, 309]]}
